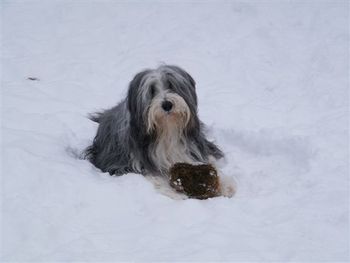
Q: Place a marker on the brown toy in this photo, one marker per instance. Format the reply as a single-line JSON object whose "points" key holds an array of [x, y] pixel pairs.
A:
{"points": [[196, 181]]}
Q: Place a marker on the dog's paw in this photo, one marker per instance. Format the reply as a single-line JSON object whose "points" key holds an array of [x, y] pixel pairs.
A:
{"points": [[161, 184], [120, 171], [227, 186]]}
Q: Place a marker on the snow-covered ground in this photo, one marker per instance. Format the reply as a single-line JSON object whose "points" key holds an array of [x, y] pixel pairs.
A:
{"points": [[272, 82]]}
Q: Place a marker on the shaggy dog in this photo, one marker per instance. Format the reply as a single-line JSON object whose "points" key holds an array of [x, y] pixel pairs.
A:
{"points": [[153, 128]]}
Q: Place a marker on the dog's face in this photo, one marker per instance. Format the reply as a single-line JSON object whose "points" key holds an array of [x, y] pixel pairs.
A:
{"points": [[163, 100]]}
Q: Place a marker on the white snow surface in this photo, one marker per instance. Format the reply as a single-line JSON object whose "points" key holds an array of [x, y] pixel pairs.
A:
{"points": [[272, 82]]}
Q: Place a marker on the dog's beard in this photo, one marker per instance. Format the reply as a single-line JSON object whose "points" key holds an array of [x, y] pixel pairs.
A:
{"points": [[170, 145]]}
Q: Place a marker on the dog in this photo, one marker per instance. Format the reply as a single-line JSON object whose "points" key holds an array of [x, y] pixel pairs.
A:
{"points": [[153, 128]]}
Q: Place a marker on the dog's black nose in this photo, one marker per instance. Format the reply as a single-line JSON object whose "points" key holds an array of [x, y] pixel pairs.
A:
{"points": [[167, 105]]}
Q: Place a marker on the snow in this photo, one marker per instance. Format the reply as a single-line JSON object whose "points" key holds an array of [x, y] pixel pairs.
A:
{"points": [[272, 81]]}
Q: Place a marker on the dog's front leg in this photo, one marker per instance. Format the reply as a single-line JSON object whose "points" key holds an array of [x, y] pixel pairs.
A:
{"points": [[118, 171]]}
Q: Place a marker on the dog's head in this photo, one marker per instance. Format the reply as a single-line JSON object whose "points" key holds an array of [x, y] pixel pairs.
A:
{"points": [[163, 99]]}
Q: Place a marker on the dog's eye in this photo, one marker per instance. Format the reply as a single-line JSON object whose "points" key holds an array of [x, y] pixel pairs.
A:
{"points": [[153, 90], [170, 86]]}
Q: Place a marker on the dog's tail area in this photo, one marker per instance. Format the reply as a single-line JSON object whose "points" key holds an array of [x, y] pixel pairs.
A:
{"points": [[88, 153], [96, 116]]}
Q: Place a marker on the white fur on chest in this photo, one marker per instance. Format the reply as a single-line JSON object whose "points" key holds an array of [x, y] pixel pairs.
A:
{"points": [[170, 148]]}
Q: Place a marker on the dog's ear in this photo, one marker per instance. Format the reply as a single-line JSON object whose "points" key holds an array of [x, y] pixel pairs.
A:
{"points": [[190, 79], [134, 89]]}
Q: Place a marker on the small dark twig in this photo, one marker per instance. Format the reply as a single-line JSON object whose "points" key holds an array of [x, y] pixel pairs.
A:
{"points": [[33, 78]]}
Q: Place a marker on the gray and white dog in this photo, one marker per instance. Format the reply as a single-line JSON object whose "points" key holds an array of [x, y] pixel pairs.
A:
{"points": [[154, 127]]}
